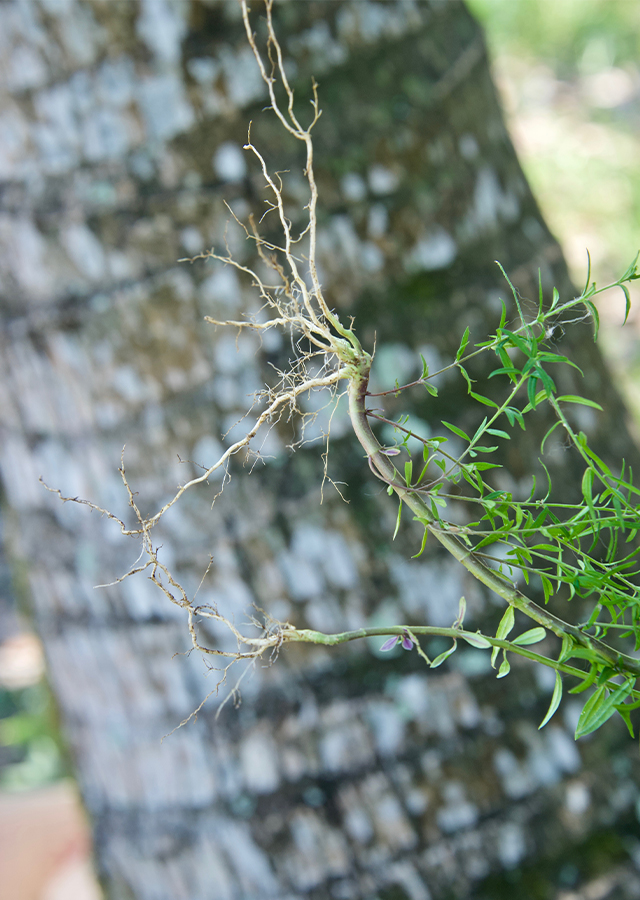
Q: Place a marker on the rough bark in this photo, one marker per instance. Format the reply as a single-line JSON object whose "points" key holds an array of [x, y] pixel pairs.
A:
{"points": [[341, 775]]}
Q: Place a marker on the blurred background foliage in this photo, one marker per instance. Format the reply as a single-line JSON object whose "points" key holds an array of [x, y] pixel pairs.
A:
{"points": [[569, 75], [30, 751]]}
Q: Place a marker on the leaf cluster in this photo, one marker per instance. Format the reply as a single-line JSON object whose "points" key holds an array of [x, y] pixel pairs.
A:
{"points": [[586, 549]]}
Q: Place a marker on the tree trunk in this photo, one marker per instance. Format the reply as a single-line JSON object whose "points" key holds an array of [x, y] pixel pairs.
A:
{"points": [[340, 775]]}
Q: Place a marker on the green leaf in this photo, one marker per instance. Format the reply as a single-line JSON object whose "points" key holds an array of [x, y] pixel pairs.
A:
{"points": [[596, 318], [483, 400], [424, 542], [575, 398], [479, 449], [593, 671], [514, 415], [548, 434], [440, 659], [506, 624], [533, 636], [498, 433], [457, 431], [587, 485], [625, 712], [547, 381], [476, 640], [625, 291], [631, 273], [567, 647], [408, 473], [425, 367], [397, 521], [479, 430], [555, 701], [509, 370], [600, 707], [432, 389], [534, 398], [547, 586], [505, 668], [463, 344], [540, 296], [466, 377], [586, 285]]}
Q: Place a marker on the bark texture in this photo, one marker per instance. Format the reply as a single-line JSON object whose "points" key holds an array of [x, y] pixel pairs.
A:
{"points": [[341, 775]]}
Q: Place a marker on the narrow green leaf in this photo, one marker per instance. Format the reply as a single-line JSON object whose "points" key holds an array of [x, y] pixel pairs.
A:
{"points": [[596, 318], [547, 381], [540, 295], [599, 707], [547, 586], [484, 400], [575, 398], [425, 367], [441, 658], [631, 273], [466, 377], [423, 544], [506, 624], [627, 298], [586, 286], [625, 712], [503, 316], [605, 468], [555, 701], [548, 434], [514, 414], [594, 701], [499, 433], [533, 636], [587, 485], [509, 370], [463, 344], [590, 678], [408, 472], [533, 396], [455, 430], [397, 521], [519, 343], [432, 389]]}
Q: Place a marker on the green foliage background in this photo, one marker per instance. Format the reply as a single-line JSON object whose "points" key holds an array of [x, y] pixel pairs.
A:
{"points": [[569, 72]]}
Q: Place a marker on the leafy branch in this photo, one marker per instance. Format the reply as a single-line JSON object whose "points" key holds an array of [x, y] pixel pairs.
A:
{"points": [[570, 548]]}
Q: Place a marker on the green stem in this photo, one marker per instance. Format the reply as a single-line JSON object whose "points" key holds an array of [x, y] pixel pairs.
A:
{"points": [[357, 410], [308, 636]]}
